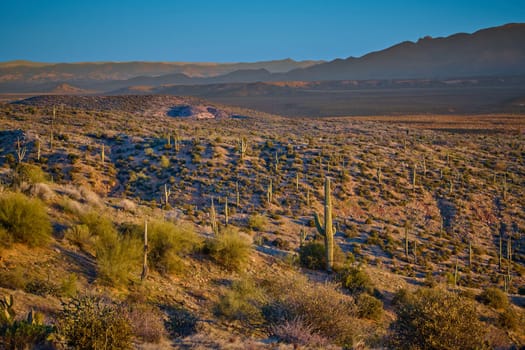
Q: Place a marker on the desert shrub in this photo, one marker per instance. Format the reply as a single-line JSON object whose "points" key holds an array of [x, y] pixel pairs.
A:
{"points": [[92, 323], [13, 278], [116, 255], [41, 287], [23, 334], [494, 297], [242, 302], [168, 243], [28, 173], [508, 319], [230, 249], [25, 219], [68, 286], [312, 256], [5, 238], [257, 222], [436, 319], [297, 332], [327, 312], [369, 307], [42, 191], [356, 281], [181, 322], [80, 236], [98, 225], [91, 197], [146, 323]]}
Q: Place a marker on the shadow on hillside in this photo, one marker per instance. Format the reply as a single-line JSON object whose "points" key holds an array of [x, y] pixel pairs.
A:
{"points": [[82, 264]]}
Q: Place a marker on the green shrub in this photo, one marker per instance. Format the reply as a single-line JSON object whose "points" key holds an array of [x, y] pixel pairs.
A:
{"points": [[28, 173], [91, 323], [257, 222], [168, 243], [98, 225], [68, 286], [116, 256], [242, 302], [312, 256], [23, 334], [436, 319], [369, 307], [25, 219], [230, 249], [494, 297], [356, 281]]}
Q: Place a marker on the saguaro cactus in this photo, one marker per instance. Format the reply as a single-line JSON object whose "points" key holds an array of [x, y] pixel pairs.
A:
{"points": [[414, 172], [269, 192], [237, 196], [326, 229], [145, 261], [167, 193], [226, 211], [243, 146], [213, 218], [52, 130], [38, 152]]}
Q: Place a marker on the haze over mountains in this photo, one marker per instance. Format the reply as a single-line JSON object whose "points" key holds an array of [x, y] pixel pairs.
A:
{"points": [[461, 73]]}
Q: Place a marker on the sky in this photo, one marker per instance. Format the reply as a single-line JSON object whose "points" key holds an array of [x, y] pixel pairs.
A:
{"points": [[231, 30]]}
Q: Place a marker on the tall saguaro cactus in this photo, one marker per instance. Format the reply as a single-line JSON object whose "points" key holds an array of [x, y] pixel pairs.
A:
{"points": [[326, 229], [243, 146], [145, 256], [213, 218]]}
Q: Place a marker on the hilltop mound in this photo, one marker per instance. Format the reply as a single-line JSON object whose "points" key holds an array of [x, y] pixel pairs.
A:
{"points": [[149, 105]]}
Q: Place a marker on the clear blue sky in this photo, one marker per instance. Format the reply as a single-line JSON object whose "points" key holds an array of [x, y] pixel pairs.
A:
{"points": [[232, 31]]}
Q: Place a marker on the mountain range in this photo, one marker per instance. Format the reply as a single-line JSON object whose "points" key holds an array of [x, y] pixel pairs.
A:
{"points": [[497, 51]]}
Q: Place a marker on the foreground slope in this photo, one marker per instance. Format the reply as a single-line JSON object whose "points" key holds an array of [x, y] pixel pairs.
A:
{"points": [[419, 200]]}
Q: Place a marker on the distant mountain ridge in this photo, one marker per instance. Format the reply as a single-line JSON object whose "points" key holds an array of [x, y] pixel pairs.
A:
{"points": [[497, 51], [35, 72], [492, 52]]}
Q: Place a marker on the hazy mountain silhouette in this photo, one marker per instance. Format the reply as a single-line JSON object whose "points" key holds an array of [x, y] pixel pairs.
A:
{"points": [[497, 51], [492, 52]]}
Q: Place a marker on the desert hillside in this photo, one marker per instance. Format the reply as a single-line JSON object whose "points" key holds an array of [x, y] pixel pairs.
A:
{"points": [[426, 213]]}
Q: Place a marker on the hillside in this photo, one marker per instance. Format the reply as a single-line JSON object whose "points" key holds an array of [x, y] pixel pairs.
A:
{"points": [[235, 259]]}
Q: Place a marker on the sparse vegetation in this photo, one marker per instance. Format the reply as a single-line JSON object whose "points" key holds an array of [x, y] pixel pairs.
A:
{"points": [[459, 227]]}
